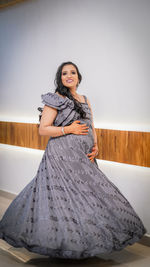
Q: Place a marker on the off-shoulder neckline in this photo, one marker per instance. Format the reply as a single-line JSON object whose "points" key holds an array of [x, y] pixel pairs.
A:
{"points": [[69, 98]]}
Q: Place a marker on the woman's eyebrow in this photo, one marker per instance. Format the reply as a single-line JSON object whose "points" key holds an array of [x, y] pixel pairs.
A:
{"points": [[66, 70]]}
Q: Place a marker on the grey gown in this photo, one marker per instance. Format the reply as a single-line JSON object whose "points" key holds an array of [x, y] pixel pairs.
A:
{"points": [[70, 209]]}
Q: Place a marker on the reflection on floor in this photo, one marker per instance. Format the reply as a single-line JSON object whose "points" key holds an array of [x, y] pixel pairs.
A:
{"points": [[136, 255]]}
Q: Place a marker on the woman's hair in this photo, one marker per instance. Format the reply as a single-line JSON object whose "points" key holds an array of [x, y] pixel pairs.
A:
{"points": [[64, 91]]}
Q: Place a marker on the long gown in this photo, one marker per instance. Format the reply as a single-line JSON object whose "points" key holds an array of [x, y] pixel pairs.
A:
{"points": [[70, 209]]}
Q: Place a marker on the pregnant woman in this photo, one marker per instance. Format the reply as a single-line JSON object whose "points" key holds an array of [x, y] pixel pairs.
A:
{"points": [[70, 209]]}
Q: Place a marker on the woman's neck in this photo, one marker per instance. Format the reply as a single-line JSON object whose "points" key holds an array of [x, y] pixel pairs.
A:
{"points": [[73, 92]]}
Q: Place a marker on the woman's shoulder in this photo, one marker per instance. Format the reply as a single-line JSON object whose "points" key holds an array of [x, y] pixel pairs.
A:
{"points": [[85, 98], [54, 100]]}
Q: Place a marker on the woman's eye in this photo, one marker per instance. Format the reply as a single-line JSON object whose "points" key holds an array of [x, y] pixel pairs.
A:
{"points": [[64, 73]]}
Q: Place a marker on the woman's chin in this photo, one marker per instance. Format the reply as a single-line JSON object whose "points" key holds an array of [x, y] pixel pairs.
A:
{"points": [[71, 86]]}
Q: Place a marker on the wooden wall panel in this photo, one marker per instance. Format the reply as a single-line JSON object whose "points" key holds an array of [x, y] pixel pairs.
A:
{"points": [[124, 146], [129, 147], [22, 134], [7, 3]]}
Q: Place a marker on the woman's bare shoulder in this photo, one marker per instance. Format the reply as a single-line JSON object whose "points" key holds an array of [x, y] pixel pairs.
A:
{"points": [[88, 101]]}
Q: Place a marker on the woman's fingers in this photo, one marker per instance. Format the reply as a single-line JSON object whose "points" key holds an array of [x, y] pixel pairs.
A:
{"points": [[84, 127], [84, 133], [91, 155], [91, 159]]}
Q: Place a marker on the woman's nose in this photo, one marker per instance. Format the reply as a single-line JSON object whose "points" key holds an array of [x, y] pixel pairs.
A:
{"points": [[69, 75]]}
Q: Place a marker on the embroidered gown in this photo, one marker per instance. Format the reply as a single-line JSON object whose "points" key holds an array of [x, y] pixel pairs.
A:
{"points": [[70, 209]]}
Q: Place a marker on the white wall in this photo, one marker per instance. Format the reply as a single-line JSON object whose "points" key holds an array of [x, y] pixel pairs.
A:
{"points": [[109, 40]]}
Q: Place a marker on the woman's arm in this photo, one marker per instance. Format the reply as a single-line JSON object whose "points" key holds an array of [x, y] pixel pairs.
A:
{"points": [[46, 125]]}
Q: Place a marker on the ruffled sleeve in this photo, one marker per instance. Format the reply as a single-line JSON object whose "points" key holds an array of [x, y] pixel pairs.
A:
{"points": [[64, 105], [55, 101]]}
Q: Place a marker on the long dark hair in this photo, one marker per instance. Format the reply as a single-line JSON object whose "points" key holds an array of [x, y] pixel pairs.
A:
{"points": [[64, 91]]}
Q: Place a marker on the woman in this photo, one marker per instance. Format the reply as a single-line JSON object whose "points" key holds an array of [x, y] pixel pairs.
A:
{"points": [[70, 209]]}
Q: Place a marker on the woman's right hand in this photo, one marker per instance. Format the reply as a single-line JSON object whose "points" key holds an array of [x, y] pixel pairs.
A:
{"points": [[77, 128]]}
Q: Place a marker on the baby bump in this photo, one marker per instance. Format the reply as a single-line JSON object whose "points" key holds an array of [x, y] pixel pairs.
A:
{"points": [[64, 144], [84, 142]]}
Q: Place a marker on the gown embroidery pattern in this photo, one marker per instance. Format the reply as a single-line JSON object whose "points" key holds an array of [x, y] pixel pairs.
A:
{"points": [[70, 209]]}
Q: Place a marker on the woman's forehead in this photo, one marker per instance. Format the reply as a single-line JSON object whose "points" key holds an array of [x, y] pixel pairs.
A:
{"points": [[68, 67]]}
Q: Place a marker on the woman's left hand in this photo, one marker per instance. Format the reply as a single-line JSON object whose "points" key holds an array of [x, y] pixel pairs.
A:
{"points": [[94, 153]]}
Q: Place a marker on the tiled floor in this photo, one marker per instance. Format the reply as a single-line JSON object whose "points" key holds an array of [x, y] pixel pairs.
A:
{"points": [[137, 255]]}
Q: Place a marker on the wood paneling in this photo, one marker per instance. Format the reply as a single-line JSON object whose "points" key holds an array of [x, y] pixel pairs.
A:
{"points": [[7, 3], [129, 147], [124, 146], [22, 134]]}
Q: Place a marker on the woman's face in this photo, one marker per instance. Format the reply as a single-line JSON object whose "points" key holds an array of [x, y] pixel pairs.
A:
{"points": [[69, 76]]}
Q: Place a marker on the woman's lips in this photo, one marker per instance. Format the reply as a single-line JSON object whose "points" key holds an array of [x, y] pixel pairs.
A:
{"points": [[69, 81]]}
